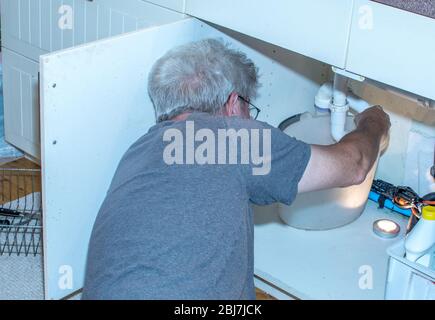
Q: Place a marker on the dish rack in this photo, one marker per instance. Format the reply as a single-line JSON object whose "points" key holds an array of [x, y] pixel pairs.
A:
{"points": [[20, 212]]}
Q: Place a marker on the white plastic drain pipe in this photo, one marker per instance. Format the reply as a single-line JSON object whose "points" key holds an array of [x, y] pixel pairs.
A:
{"points": [[339, 107], [338, 100]]}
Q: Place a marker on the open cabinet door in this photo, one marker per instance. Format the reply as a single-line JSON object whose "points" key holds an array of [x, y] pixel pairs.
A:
{"points": [[94, 106]]}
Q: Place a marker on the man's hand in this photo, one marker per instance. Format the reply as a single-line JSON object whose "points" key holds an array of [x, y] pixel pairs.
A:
{"points": [[375, 119]]}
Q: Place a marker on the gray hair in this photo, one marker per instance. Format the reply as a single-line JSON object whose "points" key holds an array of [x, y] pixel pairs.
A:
{"points": [[200, 76]]}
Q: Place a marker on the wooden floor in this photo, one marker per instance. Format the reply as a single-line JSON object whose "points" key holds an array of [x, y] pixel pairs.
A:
{"points": [[262, 295], [15, 184]]}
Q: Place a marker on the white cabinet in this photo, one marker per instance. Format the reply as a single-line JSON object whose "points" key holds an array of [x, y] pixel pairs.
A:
{"points": [[317, 29], [94, 105], [364, 37], [393, 46], [21, 99], [34, 27]]}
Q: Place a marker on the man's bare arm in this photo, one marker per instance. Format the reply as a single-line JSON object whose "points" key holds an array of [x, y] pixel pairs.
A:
{"points": [[348, 162]]}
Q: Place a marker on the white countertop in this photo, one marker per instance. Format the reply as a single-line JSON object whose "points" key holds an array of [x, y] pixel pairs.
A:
{"points": [[323, 264]]}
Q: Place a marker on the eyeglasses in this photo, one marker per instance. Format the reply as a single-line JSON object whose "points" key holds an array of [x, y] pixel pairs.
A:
{"points": [[253, 110]]}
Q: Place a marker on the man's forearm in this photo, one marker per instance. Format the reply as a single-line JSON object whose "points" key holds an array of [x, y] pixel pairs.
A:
{"points": [[364, 145], [348, 162]]}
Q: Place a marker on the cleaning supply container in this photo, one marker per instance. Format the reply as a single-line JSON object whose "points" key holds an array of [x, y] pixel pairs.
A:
{"points": [[325, 209], [422, 236]]}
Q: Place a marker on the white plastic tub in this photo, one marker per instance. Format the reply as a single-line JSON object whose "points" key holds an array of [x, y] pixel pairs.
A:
{"points": [[408, 280], [325, 209]]}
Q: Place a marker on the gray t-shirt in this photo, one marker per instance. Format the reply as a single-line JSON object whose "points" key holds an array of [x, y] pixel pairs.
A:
{"points": [[185, 231]]}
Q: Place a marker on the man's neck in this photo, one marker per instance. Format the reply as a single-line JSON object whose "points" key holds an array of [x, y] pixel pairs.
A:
{"points": [[181, 117]]}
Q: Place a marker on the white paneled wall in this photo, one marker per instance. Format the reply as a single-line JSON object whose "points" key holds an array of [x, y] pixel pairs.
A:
{"points": [[35, 27], [20, 76], [31, 28]]}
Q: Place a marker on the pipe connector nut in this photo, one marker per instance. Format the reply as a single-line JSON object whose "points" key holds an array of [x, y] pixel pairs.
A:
{"points": [[341, 109]]}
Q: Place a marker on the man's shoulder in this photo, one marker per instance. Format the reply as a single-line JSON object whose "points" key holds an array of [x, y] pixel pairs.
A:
{"points": [[238, 122]]}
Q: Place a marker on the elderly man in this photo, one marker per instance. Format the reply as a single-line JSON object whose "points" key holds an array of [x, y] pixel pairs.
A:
{"points": [[177, 220]]}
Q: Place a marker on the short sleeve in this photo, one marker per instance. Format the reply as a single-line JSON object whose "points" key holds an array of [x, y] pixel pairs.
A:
{"points": [[282, 170]]}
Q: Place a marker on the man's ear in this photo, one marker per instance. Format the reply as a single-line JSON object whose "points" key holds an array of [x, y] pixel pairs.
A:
{"points": [[232, 107]]}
